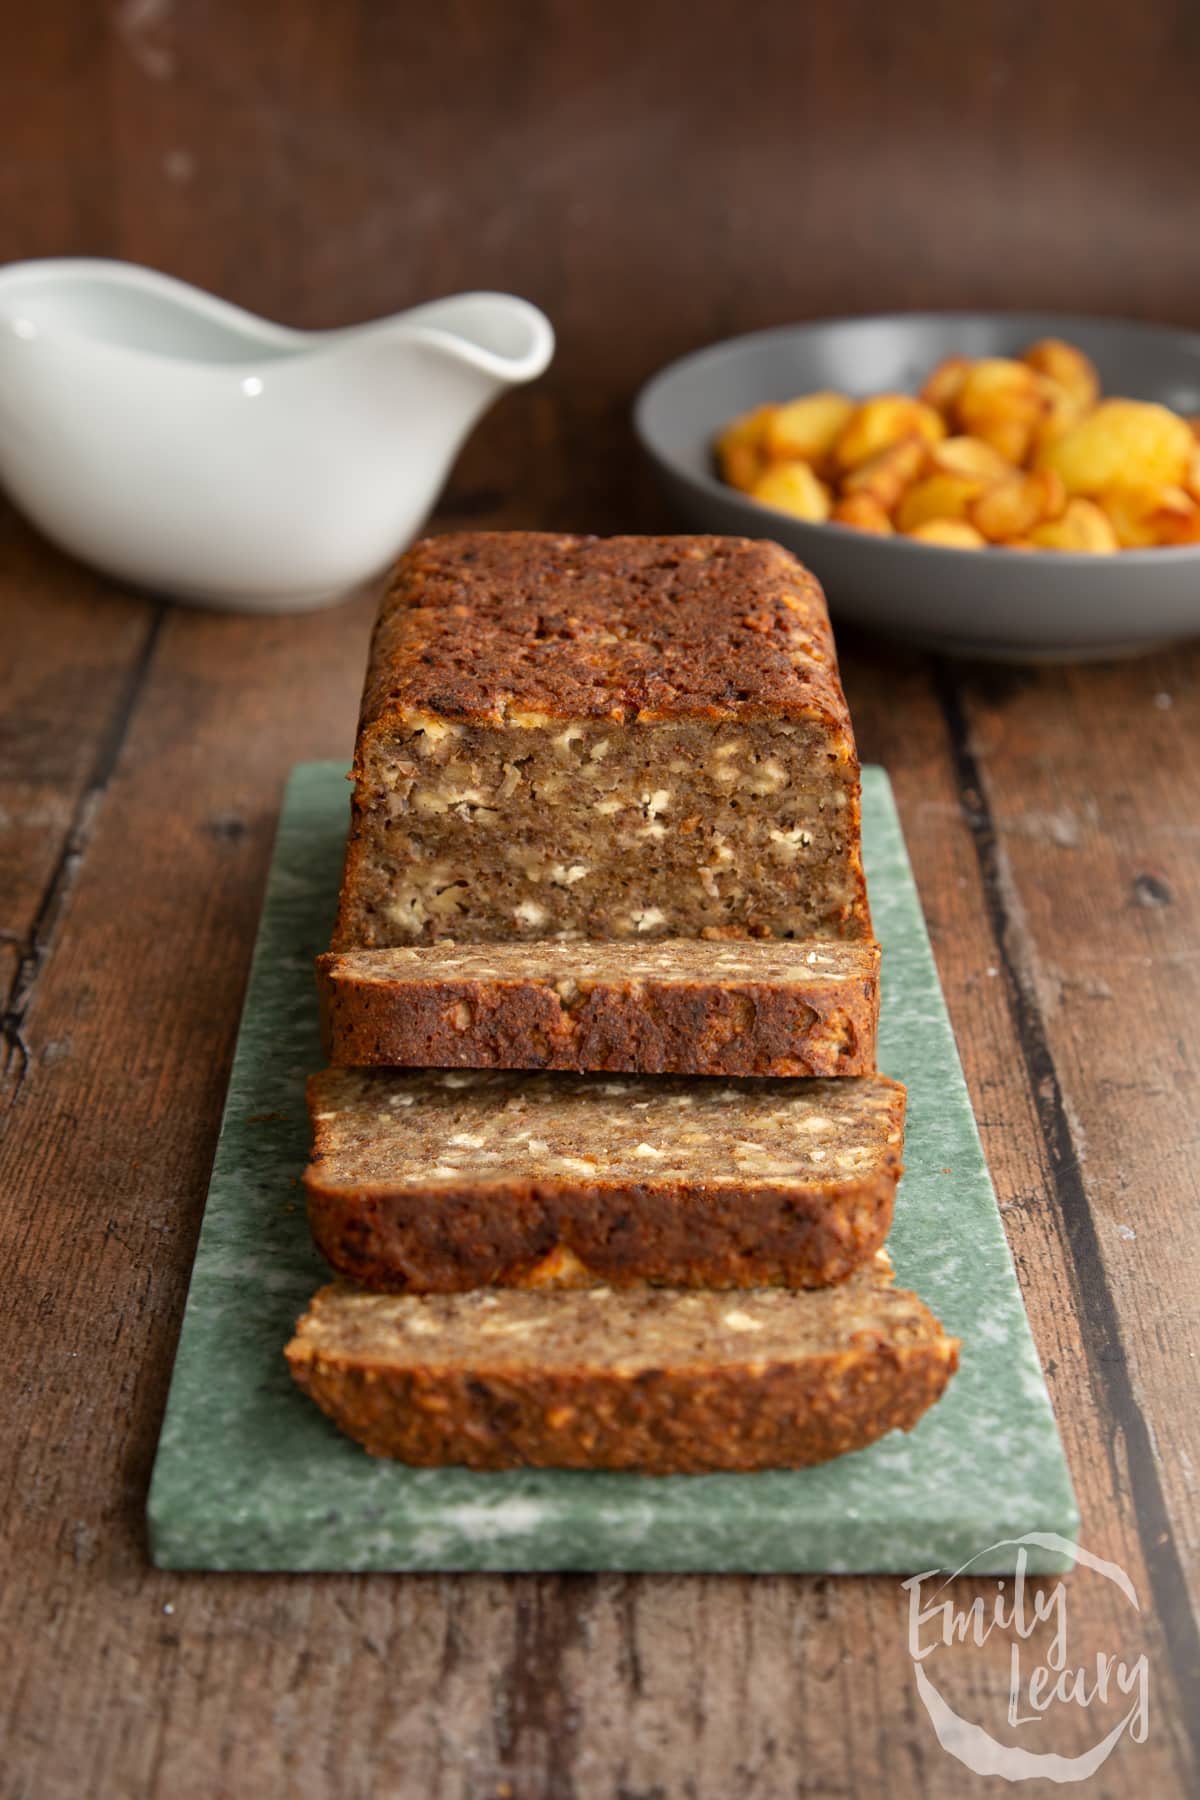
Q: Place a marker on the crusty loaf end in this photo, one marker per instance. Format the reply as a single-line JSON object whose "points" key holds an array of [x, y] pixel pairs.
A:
{"points": [[657, 1382]]}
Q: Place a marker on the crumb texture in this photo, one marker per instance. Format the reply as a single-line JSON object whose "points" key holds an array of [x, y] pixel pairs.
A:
{"points": [[438, 1129], [673, 962], [633, 1329]]}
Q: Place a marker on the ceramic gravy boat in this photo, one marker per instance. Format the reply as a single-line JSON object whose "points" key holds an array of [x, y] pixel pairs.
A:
{"points": [[188, 447]]}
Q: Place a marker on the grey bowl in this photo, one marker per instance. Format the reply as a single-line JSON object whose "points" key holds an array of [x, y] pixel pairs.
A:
{"points": [[997, 603]]}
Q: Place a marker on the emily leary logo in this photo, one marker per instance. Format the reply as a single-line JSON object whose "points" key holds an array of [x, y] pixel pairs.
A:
{"points": [[1039, 1682]]}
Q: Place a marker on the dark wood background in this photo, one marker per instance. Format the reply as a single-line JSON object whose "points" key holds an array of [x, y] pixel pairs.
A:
{"points": [[656, 176]]}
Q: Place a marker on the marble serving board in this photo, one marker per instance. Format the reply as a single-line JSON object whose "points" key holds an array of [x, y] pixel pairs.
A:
{"points": [[250, 1475]]}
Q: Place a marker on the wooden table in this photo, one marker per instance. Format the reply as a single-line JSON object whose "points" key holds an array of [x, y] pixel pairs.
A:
{"points": [[656, 176]]}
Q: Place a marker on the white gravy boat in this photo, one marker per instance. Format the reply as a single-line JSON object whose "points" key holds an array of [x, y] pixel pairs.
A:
{"points": [[188, 447]]}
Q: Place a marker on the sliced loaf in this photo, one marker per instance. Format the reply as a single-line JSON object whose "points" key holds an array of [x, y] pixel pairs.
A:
{"points": [[436, 1181], [679, 1006], [576, 737], [657, 1380]]}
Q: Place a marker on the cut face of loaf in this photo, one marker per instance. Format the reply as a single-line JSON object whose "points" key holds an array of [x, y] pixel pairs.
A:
{"points": [[660, 1381], [440, 1181], [583, 738], [673, 1007]]}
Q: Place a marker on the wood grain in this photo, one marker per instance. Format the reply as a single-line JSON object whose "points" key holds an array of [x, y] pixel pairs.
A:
{"points": [[53, 779], [655, 176]]}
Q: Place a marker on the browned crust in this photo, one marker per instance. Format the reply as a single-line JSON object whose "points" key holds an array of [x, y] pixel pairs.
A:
{"points": [[723, 1026], [496, 1236], [587, 627], [657, 1422]]}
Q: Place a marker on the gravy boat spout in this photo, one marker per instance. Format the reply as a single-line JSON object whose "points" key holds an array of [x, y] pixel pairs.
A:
{"points": [[189, 447]]}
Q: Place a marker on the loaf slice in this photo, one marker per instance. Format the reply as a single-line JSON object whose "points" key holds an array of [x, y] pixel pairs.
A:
{"points": [[440, 1181], [569, 737], [676, 1007], [656, 1380]]}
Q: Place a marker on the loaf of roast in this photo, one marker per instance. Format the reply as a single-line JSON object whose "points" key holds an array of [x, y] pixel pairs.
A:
{"points": [[602, 1163], [433, 1180], [586, 738], [657, 1380], [676, 1006]]}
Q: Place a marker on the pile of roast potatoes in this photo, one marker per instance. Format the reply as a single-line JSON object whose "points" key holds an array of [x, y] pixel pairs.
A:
{"points": [[1021, 453]]}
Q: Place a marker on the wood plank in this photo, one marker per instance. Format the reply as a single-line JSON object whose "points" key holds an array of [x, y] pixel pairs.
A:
{"points": [[75, 657], [941, 810], [1088, 842]]}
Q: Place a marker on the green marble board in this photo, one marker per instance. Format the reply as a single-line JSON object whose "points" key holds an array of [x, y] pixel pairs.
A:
{"points": [[250, 1476]]}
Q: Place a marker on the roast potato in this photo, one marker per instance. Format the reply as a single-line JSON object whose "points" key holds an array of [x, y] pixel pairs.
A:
{"points": [[739, 447], [864, 512], [793, 488], [971, 456], [806, 429], [938, 496], [1121, 440], [886, 474], [1068, 368], [1082, 527], [1001, 402], [1011, 509], [943, 386], [877, 424], [1143, 514], [953, 534]]}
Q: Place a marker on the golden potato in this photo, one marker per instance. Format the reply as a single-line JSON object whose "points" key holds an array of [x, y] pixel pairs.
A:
{"points": [[864, 512], [944, 385], [806, 428], [1060, 412], [1068, 368], [954, 534], [970, 456], [939, 496], [1189, 532], [739, 447], [886, 475], [1014, 408], [1002, 403], [1082, 527], [741, 466], [993, 377], [1011, 509], [1121, 440], [1142, 514], [1011, 435], [1191, 479], [1192, 421], [877, 424], [793, 488]]}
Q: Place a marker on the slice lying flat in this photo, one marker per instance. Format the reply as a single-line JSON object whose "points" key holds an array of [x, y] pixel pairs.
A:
{"points": [[680, 1006], [446, 1180], [657, 1380]]}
